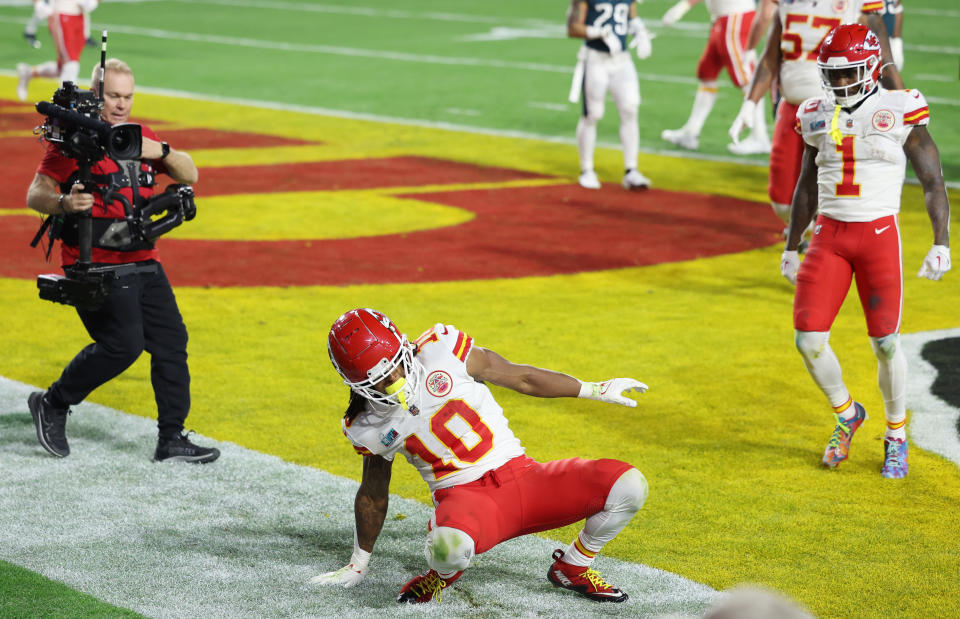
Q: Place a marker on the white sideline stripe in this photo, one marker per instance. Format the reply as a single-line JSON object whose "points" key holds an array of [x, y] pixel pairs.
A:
{"points": [[933, 422], [242, 537]]}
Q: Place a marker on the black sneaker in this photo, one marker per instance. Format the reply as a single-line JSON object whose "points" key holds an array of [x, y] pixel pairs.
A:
{"points": [[32, 40], [180, 449], [51, 424]]}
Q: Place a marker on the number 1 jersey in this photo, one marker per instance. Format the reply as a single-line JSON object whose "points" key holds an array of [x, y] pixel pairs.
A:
{"points": [[459, 432]]}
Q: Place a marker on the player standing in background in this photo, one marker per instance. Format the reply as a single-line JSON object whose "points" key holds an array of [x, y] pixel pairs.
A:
{"points": [[791, 53], [893, 23], [603, 64], [858, 138], [429, 401], [727, 47], [66, 23]]}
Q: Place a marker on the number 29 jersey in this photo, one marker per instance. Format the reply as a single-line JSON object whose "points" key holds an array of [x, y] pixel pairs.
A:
{"points": [[459, 432], [861, 177]]}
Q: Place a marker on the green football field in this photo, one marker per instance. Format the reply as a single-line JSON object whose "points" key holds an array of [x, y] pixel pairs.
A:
{"points": [[497, 64], [729, 434]]}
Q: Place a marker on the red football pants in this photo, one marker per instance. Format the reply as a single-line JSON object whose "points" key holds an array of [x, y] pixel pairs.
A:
{"points": [[524, 496], [838, 250]]}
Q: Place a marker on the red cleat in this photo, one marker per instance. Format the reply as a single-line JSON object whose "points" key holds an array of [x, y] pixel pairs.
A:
{"points": [[588, 583], [424, 587]]}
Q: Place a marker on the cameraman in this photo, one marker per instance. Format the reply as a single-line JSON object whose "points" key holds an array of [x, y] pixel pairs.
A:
{"points": [[139, 312]]}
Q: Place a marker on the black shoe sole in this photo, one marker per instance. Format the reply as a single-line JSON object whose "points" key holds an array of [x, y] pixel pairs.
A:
{"points": [[33, 402], [191, 459]]}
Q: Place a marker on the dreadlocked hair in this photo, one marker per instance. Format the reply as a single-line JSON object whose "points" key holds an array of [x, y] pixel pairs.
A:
{"points": [[355, 406]]}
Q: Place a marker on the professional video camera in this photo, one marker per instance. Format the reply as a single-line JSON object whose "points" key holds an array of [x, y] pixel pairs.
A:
{"points": [[73, 124]]}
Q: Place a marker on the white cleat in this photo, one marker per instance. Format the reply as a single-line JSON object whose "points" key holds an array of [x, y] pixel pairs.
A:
{"points": [[635, 181], [681, 138], [24, 73], [589, 180], [751, 146]]}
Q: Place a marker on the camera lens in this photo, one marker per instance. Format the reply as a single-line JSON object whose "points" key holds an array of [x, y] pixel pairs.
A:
{"points": [[124, 141]]}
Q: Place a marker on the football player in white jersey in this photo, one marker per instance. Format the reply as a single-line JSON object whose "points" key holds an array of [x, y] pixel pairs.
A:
{"points": [[727, 47], [429, 401], [790, 56], [66, 20], [858, 139], [603, 63]]}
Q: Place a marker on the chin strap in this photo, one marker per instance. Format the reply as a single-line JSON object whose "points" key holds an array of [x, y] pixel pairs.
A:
{"points": [[835, 132], [397, 388]]}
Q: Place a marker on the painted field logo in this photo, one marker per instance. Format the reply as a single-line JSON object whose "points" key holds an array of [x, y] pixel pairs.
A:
{"points": [[883, 120], [439, 383]]}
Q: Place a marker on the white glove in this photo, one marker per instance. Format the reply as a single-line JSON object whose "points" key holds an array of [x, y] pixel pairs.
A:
{"points": [[88, 5], [789, 265], [675, 12], [641, 38], [349, 575], [606, 34], [896, 48], [42, 10], [612, 391], [936, 263], [744, 119]]}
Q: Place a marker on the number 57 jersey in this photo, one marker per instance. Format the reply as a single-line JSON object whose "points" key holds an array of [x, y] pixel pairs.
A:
{"points": [[459, 432], [860, 167]]}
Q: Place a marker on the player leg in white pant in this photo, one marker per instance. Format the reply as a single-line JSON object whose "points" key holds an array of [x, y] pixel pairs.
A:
{"points": [[625, 90], [596, 79], [892, 378], [626, 497], [69, 71]]}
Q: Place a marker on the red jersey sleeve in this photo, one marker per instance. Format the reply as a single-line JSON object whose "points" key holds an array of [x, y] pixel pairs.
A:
{"points": [[55, 165]]}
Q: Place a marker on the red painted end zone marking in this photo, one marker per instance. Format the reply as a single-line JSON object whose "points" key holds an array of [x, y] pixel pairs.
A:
{"points": [[350, 174], [195, 139]]}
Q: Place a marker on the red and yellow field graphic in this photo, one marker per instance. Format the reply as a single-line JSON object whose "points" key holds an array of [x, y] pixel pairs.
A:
{"points": [[295, 223]]}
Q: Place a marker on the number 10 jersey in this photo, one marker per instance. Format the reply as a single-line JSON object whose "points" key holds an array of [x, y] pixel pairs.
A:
{"points": [[459, 432]]}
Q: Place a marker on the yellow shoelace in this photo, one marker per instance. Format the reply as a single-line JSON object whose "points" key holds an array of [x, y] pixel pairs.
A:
{"points": [[596, 579]]}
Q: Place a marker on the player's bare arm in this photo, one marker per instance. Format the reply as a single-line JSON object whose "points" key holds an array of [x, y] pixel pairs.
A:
{"points": [[489, 367], [761, 23], [889, 76], [769, 65], [372, 500], [925, 159], [804, 204], [577, 19]]}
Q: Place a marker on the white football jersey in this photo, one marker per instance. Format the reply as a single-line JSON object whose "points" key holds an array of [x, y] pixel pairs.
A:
{"points": [[806, 23], [67, 7], [460, 431], [860, 178], [722, 8]]}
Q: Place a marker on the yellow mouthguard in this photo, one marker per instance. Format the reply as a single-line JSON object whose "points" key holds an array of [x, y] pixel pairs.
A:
{"points": [[397, 388]]}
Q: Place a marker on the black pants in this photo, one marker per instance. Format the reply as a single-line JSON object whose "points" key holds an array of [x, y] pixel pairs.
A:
{"points": [[140, 313]]}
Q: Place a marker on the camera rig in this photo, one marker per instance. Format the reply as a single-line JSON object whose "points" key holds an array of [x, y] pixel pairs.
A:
{"points": [[74, 126]]}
